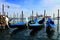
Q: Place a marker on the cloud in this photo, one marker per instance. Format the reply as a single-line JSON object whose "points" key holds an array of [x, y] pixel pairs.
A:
{"points": [[14, 8], [51, 6], [2, 0]]}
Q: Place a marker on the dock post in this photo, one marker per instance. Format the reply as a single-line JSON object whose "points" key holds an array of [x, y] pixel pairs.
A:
{"points": [[58, 25], [36, 14], [14, 16], [22, 16], [0, 13], [3, 9], [8, 8], [53, 16], [32, 14], [17, 17], [44, 18], [7, 14]]}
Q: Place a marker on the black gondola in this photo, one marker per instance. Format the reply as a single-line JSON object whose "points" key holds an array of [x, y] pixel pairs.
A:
{"points": [[35, 24], [50, 28], [35, 28], [50, 31]]}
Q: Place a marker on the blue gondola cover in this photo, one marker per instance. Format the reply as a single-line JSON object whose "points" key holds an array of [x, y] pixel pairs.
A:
{"points": [[35, 24], [49, 20], [35, 20], [19, 23]]}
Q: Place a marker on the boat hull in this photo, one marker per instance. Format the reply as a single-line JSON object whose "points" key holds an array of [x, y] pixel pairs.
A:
{"points": [[18, 26], [50, 32], [36, 27]]}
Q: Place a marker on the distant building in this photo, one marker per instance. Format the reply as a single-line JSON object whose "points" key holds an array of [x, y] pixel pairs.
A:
{"points": [[47, 16], [39, 16], [57, 17]]}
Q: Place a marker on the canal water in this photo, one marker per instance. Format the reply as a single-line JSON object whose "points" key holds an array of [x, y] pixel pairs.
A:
{"points": [[14, 34]]}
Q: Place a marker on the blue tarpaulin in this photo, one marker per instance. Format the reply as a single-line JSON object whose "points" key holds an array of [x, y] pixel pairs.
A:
{"points": [[19, 23], [35, 20], [49, 20], [51, 25], [34, 25]]}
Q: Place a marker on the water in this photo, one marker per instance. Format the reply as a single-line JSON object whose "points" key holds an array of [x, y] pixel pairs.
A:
{"points": [[25, 34]]}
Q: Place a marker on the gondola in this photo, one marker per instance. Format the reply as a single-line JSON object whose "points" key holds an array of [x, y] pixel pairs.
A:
{"points": [[35, 27], [20, 25], [50, 28], [50, 31], [36, 24]]}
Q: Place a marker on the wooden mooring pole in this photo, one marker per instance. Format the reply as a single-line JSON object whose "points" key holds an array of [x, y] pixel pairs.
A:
{"points": [[22, 18], [14, 16], [44, 13], [58, 24], [3, 9], [7, 14], [53, 16], [44, 18], [32, 14], [17, 16]]}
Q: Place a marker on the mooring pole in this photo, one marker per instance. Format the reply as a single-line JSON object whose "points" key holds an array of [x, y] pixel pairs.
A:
{"points": [[7, 14], [17, 17], [22, 16], [8, 8], [44, 13], [44, 18], [32, 14], [3, 9], [0, 13], [14, 16], [53, 16], [36, 14], [58, 24]]}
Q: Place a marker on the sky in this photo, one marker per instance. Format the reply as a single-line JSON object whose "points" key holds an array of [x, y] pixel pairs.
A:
{"points": [[16, 6]]}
